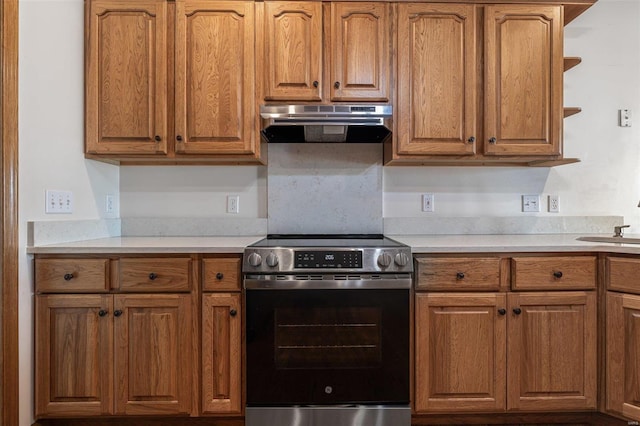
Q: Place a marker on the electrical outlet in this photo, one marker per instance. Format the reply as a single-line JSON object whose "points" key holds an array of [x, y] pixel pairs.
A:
{"points": [[233, 204], [530, 203], [624, 117], [109, 204], [58, 202], [427, 202], [554, 204]]}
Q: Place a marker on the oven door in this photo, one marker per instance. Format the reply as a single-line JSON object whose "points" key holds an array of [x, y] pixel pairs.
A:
{"points": [[327, 346]]}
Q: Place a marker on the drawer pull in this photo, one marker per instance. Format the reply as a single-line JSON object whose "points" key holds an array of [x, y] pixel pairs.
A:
{"points": [[460, 275], [68, 277], [502, 311], [117, 313], [153, 276], [219, 276], [233, 312], [102, 312], [557, 274], [517, 311]]}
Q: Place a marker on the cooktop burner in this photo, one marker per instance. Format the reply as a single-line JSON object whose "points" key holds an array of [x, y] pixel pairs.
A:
{"points": [[327, 240]]}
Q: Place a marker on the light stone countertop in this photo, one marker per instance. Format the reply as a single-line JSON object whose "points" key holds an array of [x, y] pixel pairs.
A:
{"points": [[149, 245], [420, 244]]}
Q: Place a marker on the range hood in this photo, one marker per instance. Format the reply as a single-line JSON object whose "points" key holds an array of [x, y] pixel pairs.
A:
{"points": [[325, 123]]}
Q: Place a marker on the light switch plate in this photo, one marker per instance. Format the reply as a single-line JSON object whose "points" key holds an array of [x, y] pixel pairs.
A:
{"points": [[531, 203]]}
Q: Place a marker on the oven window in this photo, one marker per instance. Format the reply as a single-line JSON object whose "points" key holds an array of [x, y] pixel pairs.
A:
{"points": [[327, 338]]}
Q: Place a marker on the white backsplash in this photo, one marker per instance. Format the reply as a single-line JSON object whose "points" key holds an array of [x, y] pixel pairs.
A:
{"points": [[324, 188]]}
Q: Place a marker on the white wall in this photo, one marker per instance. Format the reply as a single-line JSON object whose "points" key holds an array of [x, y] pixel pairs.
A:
{"points": [[51, 143], [606, 182]]}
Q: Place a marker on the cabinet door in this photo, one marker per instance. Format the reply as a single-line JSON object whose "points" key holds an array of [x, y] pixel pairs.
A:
{"points": [[523, 79], [126, 77], [552, 351], [359, 51], [74, 347], [214, 75], [623, 354], [460, 352], [153, 347], [221, 353], [436, 79], [293, 50]]}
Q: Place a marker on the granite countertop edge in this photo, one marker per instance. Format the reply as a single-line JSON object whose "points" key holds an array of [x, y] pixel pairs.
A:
{"points": [[420, 244]]}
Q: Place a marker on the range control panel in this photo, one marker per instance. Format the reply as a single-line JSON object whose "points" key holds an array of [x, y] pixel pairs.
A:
{"points": [[328, 259]]}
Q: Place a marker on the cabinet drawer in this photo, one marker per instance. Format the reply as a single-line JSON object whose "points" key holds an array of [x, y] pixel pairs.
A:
{"points": [[554, 273], [221, 274], [623, 274], [71, 275], [155, 274], [452, 274]]}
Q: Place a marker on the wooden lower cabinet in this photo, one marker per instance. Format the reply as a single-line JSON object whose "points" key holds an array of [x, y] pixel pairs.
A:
{"points": [[113, 354], [623, 354], [487, 352], [460, 352], [221, 353], [552, 351]]}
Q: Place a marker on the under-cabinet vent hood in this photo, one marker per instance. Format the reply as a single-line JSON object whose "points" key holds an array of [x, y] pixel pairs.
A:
{"points": [[326, 123]]}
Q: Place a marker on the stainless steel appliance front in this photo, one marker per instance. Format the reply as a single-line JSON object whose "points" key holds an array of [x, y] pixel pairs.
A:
{"points": [[327, 333]]}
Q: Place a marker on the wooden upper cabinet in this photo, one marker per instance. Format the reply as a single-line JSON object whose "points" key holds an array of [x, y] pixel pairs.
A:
{"points": [[214, 77], [347, 61], [126, 77], [293, 50], [359, 51], [523, 79], [436, 103], [552, 354]]}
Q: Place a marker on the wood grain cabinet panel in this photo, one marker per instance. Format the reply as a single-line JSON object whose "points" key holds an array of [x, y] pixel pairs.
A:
{"points": [[623, 274], [214, 79], [552, 354], [623, 355], [523, 79], [152, 354], [437, 76], [336, 52], [221, 274], [359, 51], [458, 274], [460, 352], [293, 50], [221, 353], [155, 274], [74, 368], [71, 275], [126, 77], [554, 273]]}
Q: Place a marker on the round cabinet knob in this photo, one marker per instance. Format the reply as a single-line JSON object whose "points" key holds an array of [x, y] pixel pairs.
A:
{"points": [[401, 259], [158, 138], [255, 259], [460, 275], [233, 312], [179, 138], [219, 276], [68, 277], [517, 311], [384, 260], [117, 313], [557, 274], [502, 311], [493, 140], [153, 276], [336, 85], [272, 260], [102, 312], [316, 84], [472, 139]]}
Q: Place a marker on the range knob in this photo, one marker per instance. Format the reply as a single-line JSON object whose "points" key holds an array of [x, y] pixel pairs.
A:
{"points": [[272, 260], [255, 259], [401, 259], [384, 260]]}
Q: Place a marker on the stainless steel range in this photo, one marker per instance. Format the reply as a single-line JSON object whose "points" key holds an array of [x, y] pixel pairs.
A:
{"points": [[327, 329]]}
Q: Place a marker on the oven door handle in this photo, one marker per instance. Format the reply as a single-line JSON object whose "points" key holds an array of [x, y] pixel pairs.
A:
{"points": [[269, 282]]}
